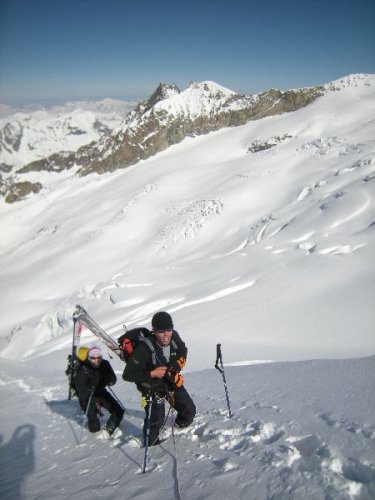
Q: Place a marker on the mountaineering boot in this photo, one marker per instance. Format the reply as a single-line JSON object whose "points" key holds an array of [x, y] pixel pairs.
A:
{"points": [[109, 429]]}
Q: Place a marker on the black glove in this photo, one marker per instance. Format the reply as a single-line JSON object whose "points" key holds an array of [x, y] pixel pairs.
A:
{"points": [[174, 377], [177, 364]]}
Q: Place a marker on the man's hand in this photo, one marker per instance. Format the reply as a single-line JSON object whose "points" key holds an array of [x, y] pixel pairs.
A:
{"points": [[158, 372], [177, 364], [174, 377]]}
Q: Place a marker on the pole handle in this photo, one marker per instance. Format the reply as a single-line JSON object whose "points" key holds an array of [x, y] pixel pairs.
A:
{"points": [[218, 358]]}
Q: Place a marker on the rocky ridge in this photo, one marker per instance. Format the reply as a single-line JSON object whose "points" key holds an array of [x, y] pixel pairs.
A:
{"points": [[165, 119]]}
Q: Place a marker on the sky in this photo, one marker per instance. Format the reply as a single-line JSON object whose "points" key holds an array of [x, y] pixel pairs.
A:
{"points": [[67, 49]]}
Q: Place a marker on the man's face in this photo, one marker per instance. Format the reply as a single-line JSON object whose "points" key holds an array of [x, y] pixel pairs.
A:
{"points": [[95, 361], [163, 336]]}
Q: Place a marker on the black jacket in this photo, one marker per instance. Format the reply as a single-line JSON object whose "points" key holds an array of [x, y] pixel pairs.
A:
{"points": [[139, 366], [88, 378]]}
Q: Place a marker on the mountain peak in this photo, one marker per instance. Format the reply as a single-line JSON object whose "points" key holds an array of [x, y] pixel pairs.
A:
{"points": [[164, 91], [211, 87]]}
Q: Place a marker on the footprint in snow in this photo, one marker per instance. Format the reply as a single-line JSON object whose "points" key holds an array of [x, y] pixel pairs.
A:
{"points": [[306, 445], [224, 465], [261, 406], [241, 438], [266, 433], [354, 427]]}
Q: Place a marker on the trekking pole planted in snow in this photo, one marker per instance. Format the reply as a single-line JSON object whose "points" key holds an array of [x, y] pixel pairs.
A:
{"points": [[85, 416], [117, 399], [88, 407], [219, 358], [147, 433]]}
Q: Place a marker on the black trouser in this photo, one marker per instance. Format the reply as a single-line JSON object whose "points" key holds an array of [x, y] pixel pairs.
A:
{"points": [[180, 401], [107, 401]]}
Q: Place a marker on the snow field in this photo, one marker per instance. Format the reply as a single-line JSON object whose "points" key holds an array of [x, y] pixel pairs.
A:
{"points": [[294, 432]]}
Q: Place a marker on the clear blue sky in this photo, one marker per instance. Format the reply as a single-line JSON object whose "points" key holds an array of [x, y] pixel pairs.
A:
{"points": [[67, 49]]}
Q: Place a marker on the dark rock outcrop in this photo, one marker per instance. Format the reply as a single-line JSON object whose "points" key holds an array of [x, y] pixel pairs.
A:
{"points": [[19, 190]]}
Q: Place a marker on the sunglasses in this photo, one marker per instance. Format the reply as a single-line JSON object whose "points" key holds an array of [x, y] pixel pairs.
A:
{"points": [[166, 330], [99, 357]]}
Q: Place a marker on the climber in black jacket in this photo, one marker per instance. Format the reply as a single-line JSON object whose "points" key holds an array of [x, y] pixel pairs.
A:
{"points": [[91, 379], [157, 376]]}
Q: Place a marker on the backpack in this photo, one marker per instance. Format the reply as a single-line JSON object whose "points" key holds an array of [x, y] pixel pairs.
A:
{"points": [[130, 339], [72, 367]]}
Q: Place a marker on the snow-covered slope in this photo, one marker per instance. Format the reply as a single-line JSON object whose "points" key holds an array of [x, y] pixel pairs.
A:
{"points": [[260, 238], [273, 249], [299, 430]]}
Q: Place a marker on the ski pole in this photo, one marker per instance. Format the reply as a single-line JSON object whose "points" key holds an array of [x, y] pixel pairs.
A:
{"points": [[117, 399], [175, 455], [219, 358], [85, 416], [147, 435]]}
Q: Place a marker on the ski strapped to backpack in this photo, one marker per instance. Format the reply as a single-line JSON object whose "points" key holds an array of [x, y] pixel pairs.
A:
{"points": [[83, 317], [125, 345], [77, 329]]}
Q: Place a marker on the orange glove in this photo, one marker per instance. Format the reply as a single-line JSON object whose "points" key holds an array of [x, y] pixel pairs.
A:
{"points": [[174, 377]]}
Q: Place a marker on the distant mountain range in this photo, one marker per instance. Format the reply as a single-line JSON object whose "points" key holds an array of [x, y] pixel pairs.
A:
{"points": [[91, 142]]}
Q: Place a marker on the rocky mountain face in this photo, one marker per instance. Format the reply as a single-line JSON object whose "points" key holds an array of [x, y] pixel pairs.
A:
{"points": [[165, 119], [26, 137]]}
